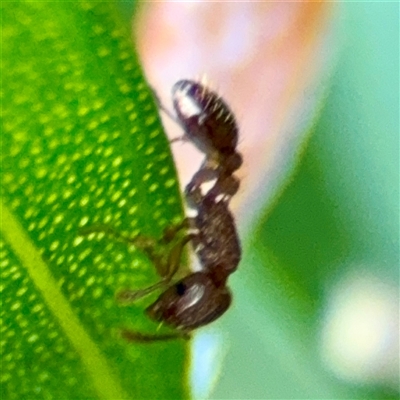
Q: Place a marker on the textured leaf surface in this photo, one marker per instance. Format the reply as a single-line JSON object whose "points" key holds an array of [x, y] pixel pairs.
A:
{"points": [[82, 145]]}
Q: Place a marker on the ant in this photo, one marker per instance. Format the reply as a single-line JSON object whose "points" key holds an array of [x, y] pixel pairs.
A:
{"points": [[202, 296]]}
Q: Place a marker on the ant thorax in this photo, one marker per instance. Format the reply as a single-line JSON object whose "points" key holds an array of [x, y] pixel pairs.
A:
{"points": [[217, 244]]}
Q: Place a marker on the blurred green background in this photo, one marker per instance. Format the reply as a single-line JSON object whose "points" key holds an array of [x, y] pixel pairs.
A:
{"points": [[337, 217]]}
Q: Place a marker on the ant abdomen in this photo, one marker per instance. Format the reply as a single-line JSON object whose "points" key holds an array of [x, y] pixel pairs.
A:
{"points": [[207, 120], [192, 302]]}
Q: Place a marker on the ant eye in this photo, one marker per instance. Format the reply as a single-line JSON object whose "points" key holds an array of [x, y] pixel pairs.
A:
{"points": [[180, 288]]}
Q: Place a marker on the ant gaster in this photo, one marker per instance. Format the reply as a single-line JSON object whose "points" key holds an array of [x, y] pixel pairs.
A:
{"points": [[209, 123], [202, 296]]}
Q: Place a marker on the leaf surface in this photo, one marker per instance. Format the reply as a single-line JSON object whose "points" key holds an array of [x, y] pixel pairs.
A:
{"points": [[82, 146]]}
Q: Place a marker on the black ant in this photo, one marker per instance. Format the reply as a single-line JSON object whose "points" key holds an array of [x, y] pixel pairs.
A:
{"points": [[202, 296]]}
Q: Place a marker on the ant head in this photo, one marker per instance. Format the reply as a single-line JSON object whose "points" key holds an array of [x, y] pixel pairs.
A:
{"points": [[206, 118], [192, 302]]}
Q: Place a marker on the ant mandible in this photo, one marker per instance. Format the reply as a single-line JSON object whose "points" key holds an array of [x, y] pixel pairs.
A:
{"points": [[202, 296]]}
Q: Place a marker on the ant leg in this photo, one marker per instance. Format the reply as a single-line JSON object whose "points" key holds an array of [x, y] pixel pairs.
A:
{"points": [[164, 109], [146, 244], [182, 138], [143, 243], [172, 265], [127, 296], [203, 175], [194, 197], [106, 230], [226, 186], [219, 167], [171, 231], [132, 336], [169, 114], [174, 256], [172, 117], [173, 260]]}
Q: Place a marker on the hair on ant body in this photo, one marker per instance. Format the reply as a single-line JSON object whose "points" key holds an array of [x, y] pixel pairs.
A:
{"points": [[206, 119], [210, 125], [202, 296]]}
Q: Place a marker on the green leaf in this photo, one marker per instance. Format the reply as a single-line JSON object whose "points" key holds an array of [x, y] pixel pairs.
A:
{"points": [[82, 145]]}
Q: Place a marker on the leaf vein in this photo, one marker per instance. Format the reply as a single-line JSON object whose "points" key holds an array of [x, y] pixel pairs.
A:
{"points": [[106, 384]]}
